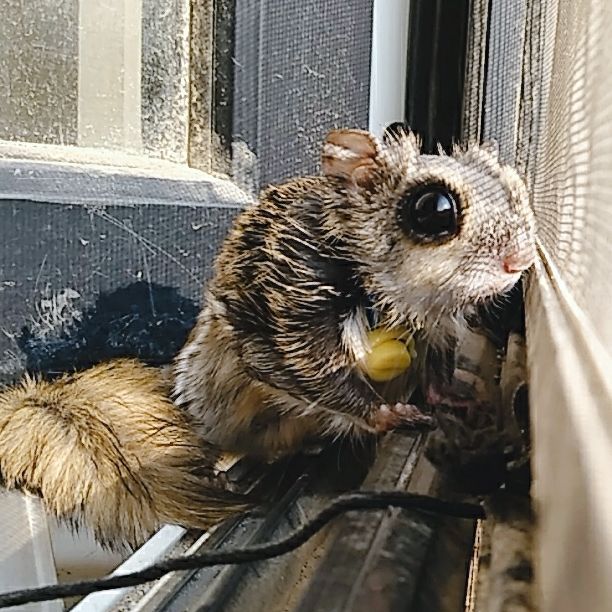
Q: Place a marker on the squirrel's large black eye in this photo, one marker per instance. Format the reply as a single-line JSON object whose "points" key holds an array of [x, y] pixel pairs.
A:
{"points": [[430, 213]]}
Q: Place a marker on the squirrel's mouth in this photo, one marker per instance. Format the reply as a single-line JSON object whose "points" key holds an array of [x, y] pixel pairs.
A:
{"points": [[496, 286], [507, 283], [464, 302]]}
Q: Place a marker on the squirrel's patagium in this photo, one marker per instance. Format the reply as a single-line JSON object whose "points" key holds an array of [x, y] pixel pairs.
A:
{"points": [[386, 238]]}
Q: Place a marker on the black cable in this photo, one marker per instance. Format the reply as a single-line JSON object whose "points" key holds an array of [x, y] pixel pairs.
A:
{"points": [[361, 500]]}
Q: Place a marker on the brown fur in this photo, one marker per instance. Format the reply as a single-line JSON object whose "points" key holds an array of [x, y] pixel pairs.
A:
{"points": [[284, 324], [274, 358], [106, 448]]}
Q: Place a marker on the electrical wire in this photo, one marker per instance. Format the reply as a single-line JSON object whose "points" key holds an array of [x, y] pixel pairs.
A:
{"points": [[358, 501]]}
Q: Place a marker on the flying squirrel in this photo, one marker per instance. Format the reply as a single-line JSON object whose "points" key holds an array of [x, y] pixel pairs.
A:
{"points": [[386, 238]]}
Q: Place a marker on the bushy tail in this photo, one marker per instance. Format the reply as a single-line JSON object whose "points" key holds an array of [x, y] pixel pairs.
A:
{"points": [[108, 449]]}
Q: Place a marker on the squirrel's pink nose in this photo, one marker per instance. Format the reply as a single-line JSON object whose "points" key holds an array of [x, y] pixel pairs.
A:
{"points": [[517, 263]]}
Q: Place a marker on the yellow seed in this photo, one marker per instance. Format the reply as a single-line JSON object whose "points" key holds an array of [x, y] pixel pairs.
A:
{"points": [[387, 360]]}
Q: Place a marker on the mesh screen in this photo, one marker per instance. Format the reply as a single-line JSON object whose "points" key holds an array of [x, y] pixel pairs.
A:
{"points": [[572, 182], [302, 68], [548, 105], [548, 95], [284, 75]]}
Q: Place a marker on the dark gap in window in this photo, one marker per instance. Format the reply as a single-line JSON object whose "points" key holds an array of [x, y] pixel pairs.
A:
{"points": [[223, 83], [436, 70]]}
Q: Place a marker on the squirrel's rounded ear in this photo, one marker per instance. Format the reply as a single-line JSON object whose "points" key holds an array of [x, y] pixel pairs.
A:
{"points": [[351, 155]]}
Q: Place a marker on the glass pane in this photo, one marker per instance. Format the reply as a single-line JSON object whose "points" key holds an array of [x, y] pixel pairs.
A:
{"points": [[96, 73], [39, 71]]}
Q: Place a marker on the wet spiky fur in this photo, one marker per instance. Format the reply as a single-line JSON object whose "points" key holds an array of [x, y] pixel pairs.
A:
{"points": [[106, 448], [273, 359]]}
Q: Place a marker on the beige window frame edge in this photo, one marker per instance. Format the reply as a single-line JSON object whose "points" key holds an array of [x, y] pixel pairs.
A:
{"points": [[117, 160], [571, 397], [39, 172]]}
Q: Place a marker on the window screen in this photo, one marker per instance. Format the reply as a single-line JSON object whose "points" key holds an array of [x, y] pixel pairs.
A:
{"points": [[546, 86]]}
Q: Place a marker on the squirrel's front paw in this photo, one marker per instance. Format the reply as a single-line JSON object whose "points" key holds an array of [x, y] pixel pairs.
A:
{"points": [[401, 415]]}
